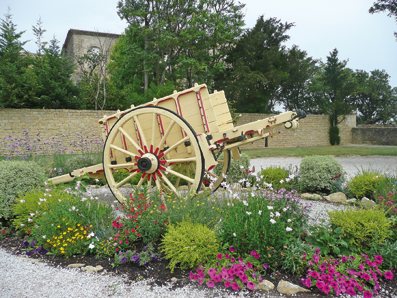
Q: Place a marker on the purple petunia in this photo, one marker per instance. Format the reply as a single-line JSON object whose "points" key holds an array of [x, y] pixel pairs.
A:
{"points": [[123, 260], [235, 286], [251, 285], [228, 284], [367, 294], [388, 275], [210, 284]]}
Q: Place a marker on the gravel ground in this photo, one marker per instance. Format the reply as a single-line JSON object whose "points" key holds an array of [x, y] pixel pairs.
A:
{"points": [[351, 164]]}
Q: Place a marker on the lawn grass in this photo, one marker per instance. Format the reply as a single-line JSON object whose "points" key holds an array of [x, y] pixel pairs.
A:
{"points": [[325, 150]]}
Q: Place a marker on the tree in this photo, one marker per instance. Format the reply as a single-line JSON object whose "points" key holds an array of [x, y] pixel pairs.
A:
{"points": [[375, 100], [94, 79], [331, 91], [256, 67], [301, 70], [17, 79], [385, 5], [175, 43]]}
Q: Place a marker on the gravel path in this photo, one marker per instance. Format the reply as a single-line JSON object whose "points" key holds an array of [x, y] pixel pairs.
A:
{"points": [[351, 164]]}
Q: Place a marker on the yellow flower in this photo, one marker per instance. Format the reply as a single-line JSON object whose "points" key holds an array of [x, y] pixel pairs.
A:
{"points": [[78, 225], [90, 226], [64, 233], [58, 226], [48, 240]]}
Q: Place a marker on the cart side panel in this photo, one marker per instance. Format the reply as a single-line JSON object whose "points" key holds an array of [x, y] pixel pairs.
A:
{"points": [[221, 110]]}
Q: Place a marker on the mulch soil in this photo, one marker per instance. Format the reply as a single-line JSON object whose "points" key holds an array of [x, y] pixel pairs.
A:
{"points": [[161, 275]]}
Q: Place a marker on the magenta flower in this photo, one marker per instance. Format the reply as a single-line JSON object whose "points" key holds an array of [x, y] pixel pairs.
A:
{"points": [[244, 278], [255, 254], [316, 258], [227, 256], [233, 260], [211, 271], [352, 272], [232, 249], [331, 271], [218, 278], [314, 274], [320, 285], [350, 291], [306, 282], [365, 276], [322, 267], [326, 289], [201, 274], [249, 264], [388, 275], [251, 285], [200, 281], [196, 276], [367, 294], [210, 284], [219, 256], [228, 284], [235, 286], [265, 266]]}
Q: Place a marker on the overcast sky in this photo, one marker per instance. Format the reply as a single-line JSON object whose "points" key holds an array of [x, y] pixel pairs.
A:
{"points": [[366, 40]]}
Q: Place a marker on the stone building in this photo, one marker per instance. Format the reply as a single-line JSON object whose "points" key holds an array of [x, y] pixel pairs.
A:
{"points": [[80, 42]]}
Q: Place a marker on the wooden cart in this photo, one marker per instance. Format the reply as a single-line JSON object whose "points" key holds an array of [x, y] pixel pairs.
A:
{"points": [[176, 140]]}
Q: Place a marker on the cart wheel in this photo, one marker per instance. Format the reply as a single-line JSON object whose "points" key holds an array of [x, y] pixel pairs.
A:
{"points": [[213, 180], [157, 147]]}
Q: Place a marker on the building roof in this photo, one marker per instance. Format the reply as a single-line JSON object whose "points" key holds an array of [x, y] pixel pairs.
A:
{"points": [[91, 33]]}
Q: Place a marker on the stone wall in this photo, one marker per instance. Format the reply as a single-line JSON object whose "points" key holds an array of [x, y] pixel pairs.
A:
{"points": [[374, 135], [74, 125], [312, 131]]}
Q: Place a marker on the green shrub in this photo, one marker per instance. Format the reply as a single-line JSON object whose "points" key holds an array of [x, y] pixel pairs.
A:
{"points": [[29, 207], [334, 137], [237, 168], [294, 258], [362, 227], [16, 178], [189, 244], [274, 175], [364, 184], [318, 173]]}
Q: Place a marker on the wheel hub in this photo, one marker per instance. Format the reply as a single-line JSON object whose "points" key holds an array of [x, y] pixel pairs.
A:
{"points": [[148, 163]]}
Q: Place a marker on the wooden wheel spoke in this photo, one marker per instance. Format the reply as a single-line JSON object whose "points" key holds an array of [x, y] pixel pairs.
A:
{"points": [[166, 134], [176, 144], [140, 182], [169, 184], [157, 181], [123, 151], [122, 165], [138, 148], [179, 178], [181, 160], [140, 130], [180, 175], [125, 180], [153, 128]]}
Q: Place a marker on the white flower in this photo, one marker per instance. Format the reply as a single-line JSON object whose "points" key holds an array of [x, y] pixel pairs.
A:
{"points": [[245, 203], [249, 213], [260, 212], [272, 221], [234, 234], [289, 220], [45, 183], [277, 214], [281, 181], [288, 229], [45, 200], [91, 246], [73, 208], [59, 200], [44, 236], [91, 235], [50, 195], [83, 199], [248, 184], [270, 207], [271, 214], [242, 167], [32, 214], [37, 212], [45, 194], [39, 203], [22, 225], [97, 180], [287, 180], [22, 201], [285, 209], [29, 219]]}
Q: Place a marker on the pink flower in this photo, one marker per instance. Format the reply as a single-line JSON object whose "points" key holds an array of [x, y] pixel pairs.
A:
{"points": [[191, 275], [320, 285], [200, 281], [211, 271], [233, 260], [326, 289], [350, 291], [322, 267], [249, 264], [365, 276], [265, 266], [218, 278], [250, 285], [244, 278], [210, 284], [227, 256], [235, 286], [255, 254], [388, 275], [219, 256], [367, 294], [306, 282], [232, 249], [316, 258], [352, 272], [314, 274], [196, 276], [228, 284]]}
